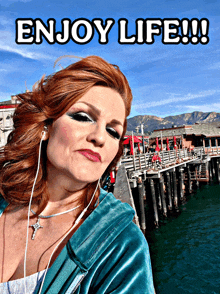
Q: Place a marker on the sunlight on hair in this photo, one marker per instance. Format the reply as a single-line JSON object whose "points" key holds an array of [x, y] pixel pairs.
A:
{"points": [[65, 56]]}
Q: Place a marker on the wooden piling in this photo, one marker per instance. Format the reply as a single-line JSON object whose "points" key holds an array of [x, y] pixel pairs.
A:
{"points": [[213, 167], [169, 195], [158, 195], [181, 183], [209, 171], [142, 220], [189, 179], [156, 219], [217, 170], [161, 181], [175, 200], [198, 175]]}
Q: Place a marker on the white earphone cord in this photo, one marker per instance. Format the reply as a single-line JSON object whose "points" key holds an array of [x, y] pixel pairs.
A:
{"points": [[29, 209], [28, 221], [71, 229]]}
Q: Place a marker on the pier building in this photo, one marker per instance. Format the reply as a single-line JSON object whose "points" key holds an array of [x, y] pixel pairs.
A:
{"points": [[189, 136], [7, 109]]}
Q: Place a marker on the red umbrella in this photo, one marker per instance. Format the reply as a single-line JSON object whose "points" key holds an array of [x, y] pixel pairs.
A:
{"points": [[131, 148], [161, 141], [168, 146], [174, 142], [157, 145], [129, 139]]}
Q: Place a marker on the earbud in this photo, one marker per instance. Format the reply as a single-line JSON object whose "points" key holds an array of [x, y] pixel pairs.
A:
{"points": [[44, 132]]}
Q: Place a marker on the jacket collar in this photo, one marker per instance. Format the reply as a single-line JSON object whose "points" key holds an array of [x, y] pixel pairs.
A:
{"points": [[100, 228]]}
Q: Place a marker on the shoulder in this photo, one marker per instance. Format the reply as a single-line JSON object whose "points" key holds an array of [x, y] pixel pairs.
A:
{"points": [[124, 266], [134, 247], [133, 236]]}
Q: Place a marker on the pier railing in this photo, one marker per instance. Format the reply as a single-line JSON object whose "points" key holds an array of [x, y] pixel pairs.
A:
{"points": [[212, 151], [165, 158]]}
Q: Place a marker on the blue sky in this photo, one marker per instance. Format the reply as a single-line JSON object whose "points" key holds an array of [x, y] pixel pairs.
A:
{"points": [[165, 79]]}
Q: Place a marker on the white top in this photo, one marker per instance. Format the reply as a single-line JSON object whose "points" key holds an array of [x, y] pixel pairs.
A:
{"points": [[17, 286]]}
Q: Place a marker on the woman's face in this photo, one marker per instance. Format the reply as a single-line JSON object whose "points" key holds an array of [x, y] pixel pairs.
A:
{"points": [[85, 140]]}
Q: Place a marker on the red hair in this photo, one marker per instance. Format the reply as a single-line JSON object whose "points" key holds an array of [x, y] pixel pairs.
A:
{"points": [[49, 99]]}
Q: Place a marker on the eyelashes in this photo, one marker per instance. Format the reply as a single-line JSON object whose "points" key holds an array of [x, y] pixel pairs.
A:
{"points": [[81, 116], [85, 117], [113, 133]]}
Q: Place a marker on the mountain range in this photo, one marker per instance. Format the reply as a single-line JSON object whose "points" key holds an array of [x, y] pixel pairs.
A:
{"points": [[151, 122]]}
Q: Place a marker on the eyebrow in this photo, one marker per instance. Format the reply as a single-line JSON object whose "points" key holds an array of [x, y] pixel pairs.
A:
{"points": [[98, 112]]}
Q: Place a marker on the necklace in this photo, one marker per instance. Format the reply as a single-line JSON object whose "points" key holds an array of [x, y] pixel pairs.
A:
{"points": [[38, 226]]}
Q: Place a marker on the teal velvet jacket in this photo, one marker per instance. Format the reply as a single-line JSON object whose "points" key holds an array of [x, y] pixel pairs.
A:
{"points": [[107, 254]]}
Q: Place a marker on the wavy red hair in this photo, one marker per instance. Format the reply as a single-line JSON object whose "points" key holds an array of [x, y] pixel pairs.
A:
{"points": [[49, 99]]}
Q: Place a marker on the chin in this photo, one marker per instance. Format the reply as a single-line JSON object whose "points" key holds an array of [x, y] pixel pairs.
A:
{"points": [[86, 176]]}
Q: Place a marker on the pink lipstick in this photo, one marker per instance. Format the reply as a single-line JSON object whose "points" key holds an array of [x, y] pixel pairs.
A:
{"points": [[91, 155]]}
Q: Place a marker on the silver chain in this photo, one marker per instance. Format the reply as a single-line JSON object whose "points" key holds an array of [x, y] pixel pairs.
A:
{"points": [[38, 226], [56, 214]]}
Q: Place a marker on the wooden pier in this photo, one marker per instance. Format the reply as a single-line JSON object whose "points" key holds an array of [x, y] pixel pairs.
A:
{"points": [[163, 179]]}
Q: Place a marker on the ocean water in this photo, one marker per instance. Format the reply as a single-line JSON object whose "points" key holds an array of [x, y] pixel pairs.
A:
{"points": [[185, 250]]}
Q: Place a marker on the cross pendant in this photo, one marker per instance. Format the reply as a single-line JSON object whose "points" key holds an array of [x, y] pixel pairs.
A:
{"points": [[36, 227]]}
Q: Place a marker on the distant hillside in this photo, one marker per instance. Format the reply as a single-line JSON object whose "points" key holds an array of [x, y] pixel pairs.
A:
{"points": [[151, 122]]}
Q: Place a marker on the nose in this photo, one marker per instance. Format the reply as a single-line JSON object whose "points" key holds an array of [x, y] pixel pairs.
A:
{"points": [[97, 135]]}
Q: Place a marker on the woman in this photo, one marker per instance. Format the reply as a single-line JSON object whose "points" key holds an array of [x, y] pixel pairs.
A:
{"points": [[67, 133]]}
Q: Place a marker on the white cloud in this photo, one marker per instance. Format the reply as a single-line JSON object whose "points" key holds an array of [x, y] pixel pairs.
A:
{"points": [[204, 108], [6, 21], [175, 99], [24, 52], [8, 44], [6, 3], [215, 66]]}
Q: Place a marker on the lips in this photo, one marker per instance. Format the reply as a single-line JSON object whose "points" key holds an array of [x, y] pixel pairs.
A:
{"points": [[91, 155]]}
